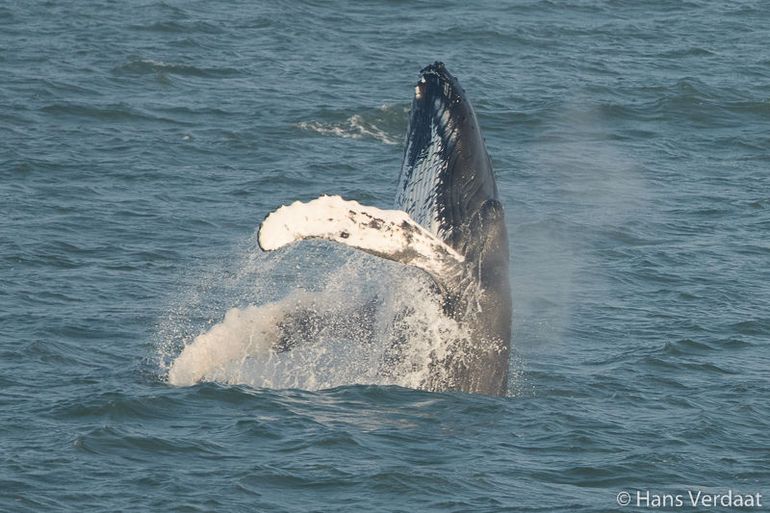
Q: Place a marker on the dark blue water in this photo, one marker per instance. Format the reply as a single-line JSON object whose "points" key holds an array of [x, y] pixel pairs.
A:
{"points": [[142, 143]]}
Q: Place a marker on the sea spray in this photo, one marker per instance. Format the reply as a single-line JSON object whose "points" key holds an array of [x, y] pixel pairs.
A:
{"points": [[345, 318]]}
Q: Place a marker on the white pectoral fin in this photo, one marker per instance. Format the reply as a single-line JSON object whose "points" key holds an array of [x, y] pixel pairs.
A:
{"points": [[389, 234]]}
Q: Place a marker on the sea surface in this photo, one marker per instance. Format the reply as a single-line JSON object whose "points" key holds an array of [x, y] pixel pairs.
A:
{"points": [[142, 142]]}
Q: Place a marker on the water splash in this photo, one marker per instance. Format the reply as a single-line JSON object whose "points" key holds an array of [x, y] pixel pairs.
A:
{"points": [[299, 319]]}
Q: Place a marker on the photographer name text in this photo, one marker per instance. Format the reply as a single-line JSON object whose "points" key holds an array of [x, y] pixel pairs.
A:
{"points": [[691, 498]]}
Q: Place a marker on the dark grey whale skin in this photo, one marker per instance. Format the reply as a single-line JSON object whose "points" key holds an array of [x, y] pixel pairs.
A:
{"points": [[448, 186]]}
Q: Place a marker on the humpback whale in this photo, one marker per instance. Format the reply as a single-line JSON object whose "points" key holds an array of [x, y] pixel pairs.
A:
{"points": [[448, 221]]}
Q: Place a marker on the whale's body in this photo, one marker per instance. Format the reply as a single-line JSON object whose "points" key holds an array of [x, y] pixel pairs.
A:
{"points": [[449, 222]]}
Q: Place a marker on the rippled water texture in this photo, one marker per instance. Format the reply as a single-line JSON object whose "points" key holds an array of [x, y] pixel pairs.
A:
{"points": [[141, 144]]}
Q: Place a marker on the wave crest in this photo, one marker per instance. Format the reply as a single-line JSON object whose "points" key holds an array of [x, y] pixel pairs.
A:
{"points": [[384, 124]]}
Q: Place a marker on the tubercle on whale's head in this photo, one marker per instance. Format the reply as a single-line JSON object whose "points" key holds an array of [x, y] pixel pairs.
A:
{"points": [[436, 83], [441, 106]]}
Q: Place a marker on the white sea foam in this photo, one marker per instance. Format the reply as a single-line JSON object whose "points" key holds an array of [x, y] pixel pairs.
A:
{"points": [[354, 127]]}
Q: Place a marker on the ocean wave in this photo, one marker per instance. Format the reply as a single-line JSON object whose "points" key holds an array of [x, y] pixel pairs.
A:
{"points": [[352, 128], [111, 112], [142, 66], [181, 27]]}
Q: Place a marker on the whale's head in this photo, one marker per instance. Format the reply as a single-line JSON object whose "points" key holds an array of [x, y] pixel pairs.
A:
{"points": [[446, 175]]}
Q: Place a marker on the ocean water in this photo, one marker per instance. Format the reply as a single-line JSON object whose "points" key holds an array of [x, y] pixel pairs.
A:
{"points": [[141, 143]]}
